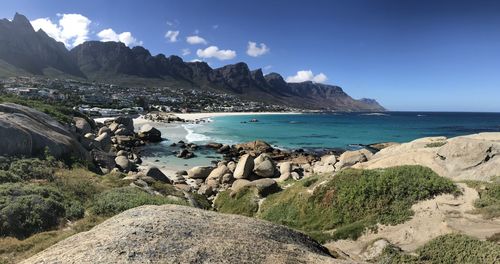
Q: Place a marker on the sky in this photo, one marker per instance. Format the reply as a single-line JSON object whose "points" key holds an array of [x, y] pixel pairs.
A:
{"points": [[412, 55]]}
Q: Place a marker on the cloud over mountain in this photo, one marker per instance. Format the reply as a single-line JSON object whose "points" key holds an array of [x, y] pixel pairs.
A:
{"points": [[307, 75], [71, 29], [124, 37], [255, 50], [215, 52]]}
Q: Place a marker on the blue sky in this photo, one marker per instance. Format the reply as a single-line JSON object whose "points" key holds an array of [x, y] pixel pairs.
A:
{"points": [[409, 55]]}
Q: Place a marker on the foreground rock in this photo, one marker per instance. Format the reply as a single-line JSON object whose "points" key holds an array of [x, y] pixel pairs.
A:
{"points": [[178, 234], [27, 132], [471, 157]]}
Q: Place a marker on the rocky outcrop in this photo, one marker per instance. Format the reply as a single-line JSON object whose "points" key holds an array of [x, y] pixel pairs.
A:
{"points": [[28, 132], [178, 234], [472, 157], [350, 158], [149, 133]]}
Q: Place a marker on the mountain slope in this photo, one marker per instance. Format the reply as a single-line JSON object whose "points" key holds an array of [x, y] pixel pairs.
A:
{"points": [[36, 53], [31, 51]]}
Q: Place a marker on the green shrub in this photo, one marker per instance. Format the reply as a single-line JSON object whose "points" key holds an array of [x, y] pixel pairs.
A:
{"points": [[117, 200], [33, 169], [7, 176], [353, 200], [26, 209], [451, 248], [60, 113], [244, 202], [488, 203], [78, 184]]}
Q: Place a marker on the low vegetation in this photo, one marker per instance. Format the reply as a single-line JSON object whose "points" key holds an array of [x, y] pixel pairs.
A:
{"points": [[117, 200], [244, 202], [353, 200], [488, 204], [43, 201], [451, 248], [61, 113], [435, 144]]}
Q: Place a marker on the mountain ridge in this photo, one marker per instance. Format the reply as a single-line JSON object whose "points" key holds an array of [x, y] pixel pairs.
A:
{"points": [[34, 52]]}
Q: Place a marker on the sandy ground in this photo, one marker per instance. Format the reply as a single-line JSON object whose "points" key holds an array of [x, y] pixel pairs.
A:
{"points": [[198, 116], [442, 215]]}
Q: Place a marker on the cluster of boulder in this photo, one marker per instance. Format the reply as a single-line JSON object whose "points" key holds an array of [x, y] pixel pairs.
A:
{"points": [[162, 117], [113, 144], [186, 150], [259, 165]]}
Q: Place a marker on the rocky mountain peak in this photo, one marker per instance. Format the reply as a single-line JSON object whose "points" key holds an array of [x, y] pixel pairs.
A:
{"points": [[21, 21]]}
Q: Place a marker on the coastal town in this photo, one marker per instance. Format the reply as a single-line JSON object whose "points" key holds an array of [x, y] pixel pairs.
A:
{"points": [[104, 99]]}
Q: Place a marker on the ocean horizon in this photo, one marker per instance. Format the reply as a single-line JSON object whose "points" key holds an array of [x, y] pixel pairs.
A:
{"points": [[345, 130]]}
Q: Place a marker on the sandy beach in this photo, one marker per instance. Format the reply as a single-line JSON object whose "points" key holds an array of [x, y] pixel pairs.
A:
{"points": [[198, 116]]}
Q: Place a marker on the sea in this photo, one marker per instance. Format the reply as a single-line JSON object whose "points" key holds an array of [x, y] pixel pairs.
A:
{"points": [[320, 131], [341, 130]]}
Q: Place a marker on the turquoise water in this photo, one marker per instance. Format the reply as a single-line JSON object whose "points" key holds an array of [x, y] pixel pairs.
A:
{"points": [[343, 130]]}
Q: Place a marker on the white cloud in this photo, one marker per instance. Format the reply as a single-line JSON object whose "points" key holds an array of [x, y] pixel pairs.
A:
{"points": [[308, 75], [215, 26], [171, 35], [125, 37], [193, 40], [255, 51], [185, 52], [71, 29], [215, 52], [268, 67]]}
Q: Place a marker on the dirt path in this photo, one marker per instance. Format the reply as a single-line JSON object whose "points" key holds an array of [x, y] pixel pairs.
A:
{"points": [[441, 215]]}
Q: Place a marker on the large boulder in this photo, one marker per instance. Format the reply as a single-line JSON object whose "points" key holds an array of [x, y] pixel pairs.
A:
{"points": [[179, 234], [265, 186], [264, 166], [104, 140], [27, 132], [82, 126], [257, 146], [127, 122], [350, 158], [199, 172], [244, 167], [149, 133], [471, 157], [103, 159], [123, 163], [156, 174]]}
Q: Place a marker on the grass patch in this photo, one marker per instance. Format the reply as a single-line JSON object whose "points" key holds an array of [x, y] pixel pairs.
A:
{"points": [[117, 200], [13, 250], [488, 203], [435, 144], [26, 209], [244, 202], [354, 200], [61, 113], [451, 248]]}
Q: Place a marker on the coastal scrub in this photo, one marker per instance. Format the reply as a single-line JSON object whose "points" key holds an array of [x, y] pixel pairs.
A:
{"points": [[450, 248], [354, 200]]}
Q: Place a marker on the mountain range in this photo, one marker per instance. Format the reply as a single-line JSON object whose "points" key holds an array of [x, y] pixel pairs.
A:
{"points": [[24, 51]]}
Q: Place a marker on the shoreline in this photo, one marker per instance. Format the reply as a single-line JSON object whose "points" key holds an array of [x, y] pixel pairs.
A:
{"points": [[200, 116]]}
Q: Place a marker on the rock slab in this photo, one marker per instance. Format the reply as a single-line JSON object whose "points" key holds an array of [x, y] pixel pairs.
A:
{"points": [[179, 234]]}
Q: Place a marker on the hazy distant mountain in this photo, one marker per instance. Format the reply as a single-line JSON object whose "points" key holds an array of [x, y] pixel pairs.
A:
{"points": [[22, 50]]}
